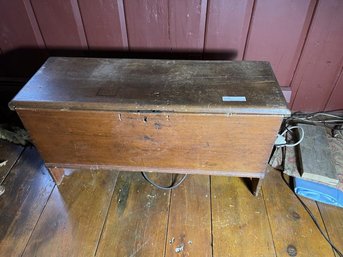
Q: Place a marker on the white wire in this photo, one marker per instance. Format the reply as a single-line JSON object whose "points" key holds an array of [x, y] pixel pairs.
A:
{"points": [[325, 114], [296, 143]]}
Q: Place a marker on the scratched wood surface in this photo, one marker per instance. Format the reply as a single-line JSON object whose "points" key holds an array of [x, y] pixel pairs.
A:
{"points": [[28, 187], [292, 229], [292, 35], [90, 216], [159, 85], [147, 25], [316, 161], [72, 221], [9, 153], [138, 217], [333, 219], [165, 142], [239, 220], [189, 227]]}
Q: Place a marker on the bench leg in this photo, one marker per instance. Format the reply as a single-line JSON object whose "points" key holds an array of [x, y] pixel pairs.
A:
{"points": [[256, 184], [57, 174]]}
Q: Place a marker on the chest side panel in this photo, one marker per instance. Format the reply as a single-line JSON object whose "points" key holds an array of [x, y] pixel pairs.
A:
{"points": [[197, 143]]}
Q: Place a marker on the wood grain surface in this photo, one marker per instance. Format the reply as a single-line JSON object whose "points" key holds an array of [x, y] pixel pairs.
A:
{"points": [[69, 34], [189, 226], [148, 25], [187, 143], [187, 25], [292, 228], [57, 174], [226, 34], [277, 34], [333, 219], [321, 55], [20, 32], [132, 216], [108, 30], [335, 101], [10, 153], [239, 220], [28, 187], [72, 221], [153, 85], [138, 217], [315, 155]]}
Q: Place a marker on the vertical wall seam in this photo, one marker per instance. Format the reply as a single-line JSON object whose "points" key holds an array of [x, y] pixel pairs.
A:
{"points": [[247, 38], [123, 24], [340, 74], [202, 24], [34, 24], [79, 23], [293, 95], [168, 24], [205, 29], [302, 39], [126, 28]]}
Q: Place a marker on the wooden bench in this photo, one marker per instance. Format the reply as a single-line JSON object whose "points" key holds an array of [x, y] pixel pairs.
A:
{"points": [[186, 117]]}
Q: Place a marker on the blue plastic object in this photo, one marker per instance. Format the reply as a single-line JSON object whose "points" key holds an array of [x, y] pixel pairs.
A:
{"points": [[318, 192]]}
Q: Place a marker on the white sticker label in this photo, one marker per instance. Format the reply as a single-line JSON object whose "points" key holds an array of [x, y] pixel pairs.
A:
{"points": [[234, 99]]}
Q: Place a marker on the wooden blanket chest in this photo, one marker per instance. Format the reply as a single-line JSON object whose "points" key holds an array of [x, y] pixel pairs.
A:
{"points": [[196, 117]]}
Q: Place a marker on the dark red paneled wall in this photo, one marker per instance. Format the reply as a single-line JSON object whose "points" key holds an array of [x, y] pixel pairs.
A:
{"points": [[303, 39]]}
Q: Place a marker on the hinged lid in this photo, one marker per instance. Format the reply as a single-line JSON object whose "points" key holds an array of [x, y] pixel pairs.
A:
{"points": [[153, 85]]}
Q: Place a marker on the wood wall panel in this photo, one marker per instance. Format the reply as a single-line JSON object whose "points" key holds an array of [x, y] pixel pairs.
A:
{"points": [[322, 58], [227, 27], [105, 31], [17, 27], [147, 24], [187, 24], [301, 38], [277, 32], [168, 26], [336, 99], [60, 23], [19, 32]]}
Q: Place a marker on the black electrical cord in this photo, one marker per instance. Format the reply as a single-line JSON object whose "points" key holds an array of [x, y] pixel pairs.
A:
{"points": [[340, 254], [312, 217], [172, 186]]}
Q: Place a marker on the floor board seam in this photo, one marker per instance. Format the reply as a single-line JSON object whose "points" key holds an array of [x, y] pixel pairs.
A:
{"points": [[212, 243], [106, 217], [268, 217], [325, 228], [167, 224], [14, 164], [40, 215]]}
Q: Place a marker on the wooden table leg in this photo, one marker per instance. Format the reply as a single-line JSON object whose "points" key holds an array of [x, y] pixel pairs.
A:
{"points": [[57, 174], [256, 184]]}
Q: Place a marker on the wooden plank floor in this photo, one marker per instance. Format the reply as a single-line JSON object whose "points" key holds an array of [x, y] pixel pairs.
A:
{"points": [[103, 213]]}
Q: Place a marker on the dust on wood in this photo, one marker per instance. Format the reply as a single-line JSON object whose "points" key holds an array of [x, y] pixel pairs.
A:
{"points": [[72, 221], [290, 223], [317, 163], [239, 220], [9, 154], [189, 226], [137, 219], [28, 187]]}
